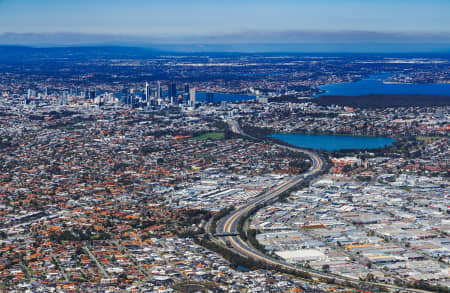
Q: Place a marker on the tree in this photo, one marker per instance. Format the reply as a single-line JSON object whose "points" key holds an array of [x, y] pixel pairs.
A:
{"points": [[370, 277], [347, 168]]}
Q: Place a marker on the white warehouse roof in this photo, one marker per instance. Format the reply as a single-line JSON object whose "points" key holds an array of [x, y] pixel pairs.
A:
{"points": [[301, 255]]}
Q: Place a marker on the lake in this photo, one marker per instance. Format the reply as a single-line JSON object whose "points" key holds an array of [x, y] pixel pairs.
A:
{"points": [[375, 85], [333, 142]]}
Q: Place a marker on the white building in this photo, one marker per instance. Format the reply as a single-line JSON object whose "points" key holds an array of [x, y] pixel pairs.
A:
{"points": [[301, 255]]}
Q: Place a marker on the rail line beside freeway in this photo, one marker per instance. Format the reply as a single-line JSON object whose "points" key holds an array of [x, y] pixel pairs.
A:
{"points": [[229, 223]]}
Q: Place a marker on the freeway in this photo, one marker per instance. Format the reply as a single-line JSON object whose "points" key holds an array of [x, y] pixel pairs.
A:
{"points": [[229, 224]]}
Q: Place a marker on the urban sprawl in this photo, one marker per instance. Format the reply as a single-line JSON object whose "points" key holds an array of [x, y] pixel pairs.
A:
{"points": [[129, 190]]}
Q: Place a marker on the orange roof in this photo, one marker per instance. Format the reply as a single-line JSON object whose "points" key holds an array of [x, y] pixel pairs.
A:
{"points": [[35, 255]]}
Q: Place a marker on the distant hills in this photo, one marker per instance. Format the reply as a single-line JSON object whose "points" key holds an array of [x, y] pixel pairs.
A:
{"points": [[24, 53], [12, 53], [287, 41]]}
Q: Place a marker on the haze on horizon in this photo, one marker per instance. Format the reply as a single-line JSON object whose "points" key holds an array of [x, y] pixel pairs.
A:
{"points": [[421, 24]]}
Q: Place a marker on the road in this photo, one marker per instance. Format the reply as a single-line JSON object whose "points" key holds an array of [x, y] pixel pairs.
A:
{"points": [[131, 257], [60, 267], [229, 223], [99, 266]]}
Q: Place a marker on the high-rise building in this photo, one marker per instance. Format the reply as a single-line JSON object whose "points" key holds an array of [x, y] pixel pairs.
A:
{"points": [[158, 90], [148, 92], [186, 88], [92, 94], [172, 91], [192, 93]]}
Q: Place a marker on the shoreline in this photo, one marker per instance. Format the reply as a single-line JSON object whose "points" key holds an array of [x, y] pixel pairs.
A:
{"points": [[393, 140]]}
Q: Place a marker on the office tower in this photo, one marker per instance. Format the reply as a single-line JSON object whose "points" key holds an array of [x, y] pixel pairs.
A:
{"points": [[29, 94], [185, 97], [148, 92], [92, 94], [209, 98], [172, 91], [192, 97], [158, 90]]}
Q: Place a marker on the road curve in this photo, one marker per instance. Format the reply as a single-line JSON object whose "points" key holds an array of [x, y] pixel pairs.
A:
{"points": [[229, 223]]}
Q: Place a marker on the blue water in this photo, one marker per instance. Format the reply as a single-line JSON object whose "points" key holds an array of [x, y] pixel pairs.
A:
{"points": [[375, 85], [221, 97], [333, 142], [242, 269]]}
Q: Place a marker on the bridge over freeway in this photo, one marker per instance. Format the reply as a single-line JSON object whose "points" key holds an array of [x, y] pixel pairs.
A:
{"points": [[225, 234]]}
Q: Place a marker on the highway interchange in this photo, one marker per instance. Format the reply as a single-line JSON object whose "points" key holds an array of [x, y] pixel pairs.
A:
{"points": [[228, 225]]}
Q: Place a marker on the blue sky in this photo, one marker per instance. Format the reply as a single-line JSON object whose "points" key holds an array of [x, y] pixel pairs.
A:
{"points": [[142, 17], [258, 20]]}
